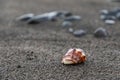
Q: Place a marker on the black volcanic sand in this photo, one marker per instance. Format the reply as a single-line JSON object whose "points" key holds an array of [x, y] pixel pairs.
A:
{"points": [[34, 52]]}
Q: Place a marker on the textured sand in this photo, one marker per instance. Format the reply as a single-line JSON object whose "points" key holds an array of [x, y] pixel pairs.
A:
{"points": [[34, 52]]}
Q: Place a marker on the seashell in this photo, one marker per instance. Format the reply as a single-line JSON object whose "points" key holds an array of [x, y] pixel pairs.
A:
{"points": [[73, 18], [25, 17], [79, 33], [74, 56], [100, 32]]}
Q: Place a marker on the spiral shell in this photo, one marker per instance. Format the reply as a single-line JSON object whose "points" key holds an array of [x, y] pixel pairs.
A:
{"points": [[74, 56]]}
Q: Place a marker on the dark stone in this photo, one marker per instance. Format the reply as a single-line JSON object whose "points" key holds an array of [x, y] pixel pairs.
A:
{"points": [[19, 66], [118, 16], [53, 19], [100, 32], [67, 14], [79, 33], [108, 17], [32, 52], [33, 22]]}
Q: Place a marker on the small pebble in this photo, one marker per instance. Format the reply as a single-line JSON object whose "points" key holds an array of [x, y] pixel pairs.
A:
{"points": [[118, 16], [79, 33], [73, 18], [107, 17], [25, 17], [67, 14], [104, 12], [110, 22], [116, 10], [111, 17], [112, 13], [103, 17], [67, 24], [19, 66], [100, 32], [71, 30]]}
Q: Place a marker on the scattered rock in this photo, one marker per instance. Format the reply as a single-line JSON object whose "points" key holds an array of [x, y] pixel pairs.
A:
{"points": [[79, 33], [71, 30], [25, 17], [104, 12], [103, 17], [110, 22], [118, 16], [110, 16], [67, 24], [100, 32]]}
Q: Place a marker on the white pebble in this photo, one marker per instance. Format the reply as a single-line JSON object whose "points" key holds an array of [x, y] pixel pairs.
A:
{"points": [[67, 24], [103, 17], [104, 11], [111, 22], [71, 30]]}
